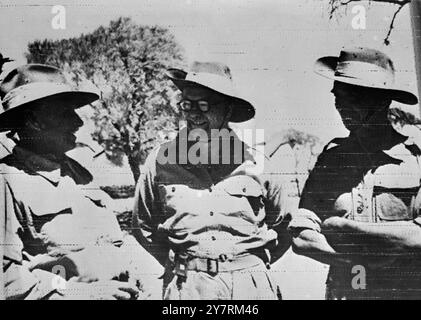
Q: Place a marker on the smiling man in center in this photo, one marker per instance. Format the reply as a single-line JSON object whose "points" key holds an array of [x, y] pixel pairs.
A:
{"points": [[216, 227]]}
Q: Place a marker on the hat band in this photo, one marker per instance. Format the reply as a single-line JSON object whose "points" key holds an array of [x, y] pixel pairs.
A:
{"points": [[366, 72], [213, 81], [31, 92]]}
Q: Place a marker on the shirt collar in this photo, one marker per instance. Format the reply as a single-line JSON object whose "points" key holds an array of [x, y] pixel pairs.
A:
{"points": [[49, 169], [248, 152]]}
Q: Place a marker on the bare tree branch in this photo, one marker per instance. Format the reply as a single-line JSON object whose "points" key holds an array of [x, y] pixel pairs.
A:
{"points": [[336, 4], [386, 40]]}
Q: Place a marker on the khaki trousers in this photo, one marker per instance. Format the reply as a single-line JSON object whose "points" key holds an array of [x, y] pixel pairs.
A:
{"points": [[247, 284]]}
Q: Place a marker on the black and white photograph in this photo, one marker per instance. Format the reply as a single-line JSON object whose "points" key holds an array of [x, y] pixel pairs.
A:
{"points": [[204, 150]]}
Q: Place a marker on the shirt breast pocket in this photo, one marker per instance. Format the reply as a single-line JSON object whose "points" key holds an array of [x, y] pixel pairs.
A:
{"points": [[175, 197], [247, 190], [395, 192], [44, 209], [396, 204]]}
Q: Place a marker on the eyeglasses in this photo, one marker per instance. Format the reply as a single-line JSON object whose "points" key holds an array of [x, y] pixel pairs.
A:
{"points": [[186, 105]]}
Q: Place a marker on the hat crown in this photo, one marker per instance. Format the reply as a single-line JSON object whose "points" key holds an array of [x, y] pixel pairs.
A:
{"points": [[215, 68], [217, 77], [30, 73], [364, 67], [32, 85], [369, 56]]}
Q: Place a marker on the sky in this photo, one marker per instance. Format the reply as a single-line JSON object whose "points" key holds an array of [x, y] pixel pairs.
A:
{"points": [[270, 45]]}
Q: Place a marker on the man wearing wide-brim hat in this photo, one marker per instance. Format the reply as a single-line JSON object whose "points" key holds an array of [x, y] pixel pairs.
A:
{"points": [[53, 224], [364, 190], [205, 208]]}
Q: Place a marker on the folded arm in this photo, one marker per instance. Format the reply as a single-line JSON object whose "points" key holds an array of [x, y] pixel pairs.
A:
{"points": [[389, 237], [21, 283], [308, 240]]}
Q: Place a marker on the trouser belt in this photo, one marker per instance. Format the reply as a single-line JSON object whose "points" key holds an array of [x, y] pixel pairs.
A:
{"points": [[184, 263]]}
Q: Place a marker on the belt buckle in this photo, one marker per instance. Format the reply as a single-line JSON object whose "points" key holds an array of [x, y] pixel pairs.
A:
{"points": [[213, 266]]}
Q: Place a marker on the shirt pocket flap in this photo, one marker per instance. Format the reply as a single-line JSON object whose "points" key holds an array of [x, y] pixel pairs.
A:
{"points": [[395, 205], [243, 186], [171, 190]]}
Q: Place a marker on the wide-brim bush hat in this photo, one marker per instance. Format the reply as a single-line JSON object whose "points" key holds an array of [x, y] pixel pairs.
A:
{"points": [[364, 67], [32, 85], [217, 77]]}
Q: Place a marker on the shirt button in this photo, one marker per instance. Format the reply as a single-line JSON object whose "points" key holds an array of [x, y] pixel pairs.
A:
{"points": [[173, 189], [213, 238], [359, 210], [244, 190], [211, 213]]}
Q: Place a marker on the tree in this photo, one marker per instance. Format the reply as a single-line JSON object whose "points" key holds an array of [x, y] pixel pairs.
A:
{"points": [[294, 138], [304, 148], [127, 62], [401, 117], [336, 4]]}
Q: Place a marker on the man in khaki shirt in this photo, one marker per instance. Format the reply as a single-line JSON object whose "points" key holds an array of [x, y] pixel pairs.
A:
{"points": [[54, 223], [218, 223], [364, 190]]}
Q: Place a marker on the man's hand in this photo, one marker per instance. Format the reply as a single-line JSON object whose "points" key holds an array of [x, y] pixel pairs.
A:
{"points": [[100, 290], [314, 245], [97, 263]]}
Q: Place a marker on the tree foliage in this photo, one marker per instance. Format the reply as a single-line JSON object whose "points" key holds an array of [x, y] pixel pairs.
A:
{"points": [[296, 139], [401, 117], [127, 62]]}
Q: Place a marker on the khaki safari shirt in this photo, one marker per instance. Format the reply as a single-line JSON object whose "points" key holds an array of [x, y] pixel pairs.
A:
{"points": [[369, 184], [210, 210], [35, 194]]}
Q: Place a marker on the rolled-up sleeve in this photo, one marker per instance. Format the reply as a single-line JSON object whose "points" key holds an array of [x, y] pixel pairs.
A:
{"points": [[18, 281], [146, 213], [278, 207], [304, 219], [316, 200]]}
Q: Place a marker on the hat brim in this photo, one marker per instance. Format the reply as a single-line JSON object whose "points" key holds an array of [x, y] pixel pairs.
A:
{"points": [[242, 109], [12, 119], [326, 67]]}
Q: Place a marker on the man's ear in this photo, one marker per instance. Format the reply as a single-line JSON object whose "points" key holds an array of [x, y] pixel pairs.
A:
{"points": [[229, 112], [32, 123]]}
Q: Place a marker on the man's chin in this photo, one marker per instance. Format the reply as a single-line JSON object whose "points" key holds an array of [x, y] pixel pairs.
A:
{"points": [[66, 144], [351, 126]]}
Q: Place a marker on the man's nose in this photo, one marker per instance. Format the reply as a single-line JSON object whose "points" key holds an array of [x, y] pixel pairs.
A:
{"points": [[75, 119], [195, 113]]}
